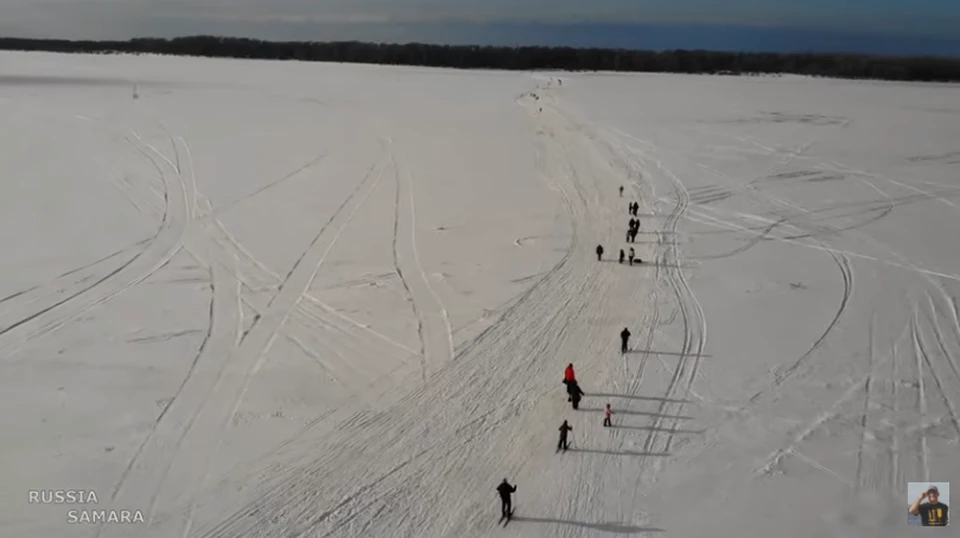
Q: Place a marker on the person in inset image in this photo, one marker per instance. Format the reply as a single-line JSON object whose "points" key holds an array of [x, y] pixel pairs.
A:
{"points": [[933, 513]]}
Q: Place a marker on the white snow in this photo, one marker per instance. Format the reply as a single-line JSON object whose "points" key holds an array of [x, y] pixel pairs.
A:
{"points": [[295, 299]]}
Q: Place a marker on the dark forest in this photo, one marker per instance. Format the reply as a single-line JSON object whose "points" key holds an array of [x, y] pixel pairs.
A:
{"points": [[835, 65]]}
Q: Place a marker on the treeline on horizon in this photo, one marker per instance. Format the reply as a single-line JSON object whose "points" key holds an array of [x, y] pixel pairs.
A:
{"points": [[833, 65]]}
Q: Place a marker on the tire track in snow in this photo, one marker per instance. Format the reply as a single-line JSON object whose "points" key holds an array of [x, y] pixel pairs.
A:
{"points": [[435, 445], [920, 356], [862, 478], [846, 274], [160, 249], [150, 465], [842, 261], [669, 268], [948, 403], [205, 433], [61, 284], [433, 324]]}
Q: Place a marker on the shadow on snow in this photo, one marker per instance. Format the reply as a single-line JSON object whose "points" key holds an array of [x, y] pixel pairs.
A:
{"points": [[616, 528]]}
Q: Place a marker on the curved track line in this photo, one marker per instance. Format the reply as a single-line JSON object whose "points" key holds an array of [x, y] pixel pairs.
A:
{"points": [[435, 331], [424, 354], [165, 243], [191, 396], [445, 420], [205, 431]]}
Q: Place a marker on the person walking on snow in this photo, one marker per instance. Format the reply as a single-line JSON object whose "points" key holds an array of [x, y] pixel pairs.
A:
{"points": [[622, 255], [599, 253], [564, 428], [573, 388], [569, 377], [631, 255], [505, 489], [606, 416], [621, 191], [624, 339]]}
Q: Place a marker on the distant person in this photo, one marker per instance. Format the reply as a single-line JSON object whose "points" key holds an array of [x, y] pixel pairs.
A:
{"points": [[599, 253], [505, 489], [621, 191], [631, 256], [624, 339], [564, 429], [576, 393], [606, 416], [569, 377], [622, 255], [932, 513], [568, 374]]}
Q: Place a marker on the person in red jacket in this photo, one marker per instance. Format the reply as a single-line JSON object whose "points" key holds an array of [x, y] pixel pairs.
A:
{"points": [[568, 379]]}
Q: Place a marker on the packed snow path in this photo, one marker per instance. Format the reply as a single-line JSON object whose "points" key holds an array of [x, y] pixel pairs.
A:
{"points": [[256, 301]]}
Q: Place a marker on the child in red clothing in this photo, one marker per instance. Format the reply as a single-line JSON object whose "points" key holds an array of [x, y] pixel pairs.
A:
{"points": [[606, 416]]}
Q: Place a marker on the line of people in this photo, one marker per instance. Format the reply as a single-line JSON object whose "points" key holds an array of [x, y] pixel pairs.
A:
{"points": [[574, 393], [633, 228]]}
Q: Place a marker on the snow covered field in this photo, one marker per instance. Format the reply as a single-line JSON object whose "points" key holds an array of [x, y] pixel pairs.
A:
{"points": [[292, 299]]}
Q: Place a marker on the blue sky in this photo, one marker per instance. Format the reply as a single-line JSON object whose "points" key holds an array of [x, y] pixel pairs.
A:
{"points": [[272, 19]]}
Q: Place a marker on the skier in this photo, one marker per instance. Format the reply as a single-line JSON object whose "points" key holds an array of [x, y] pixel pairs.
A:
{"points": [[621, 191], [622, 255], [575, 394], [573, 386], [564, 428], [624, 339], [599, 253], [631, 255], [606, 416], [505, 489]]}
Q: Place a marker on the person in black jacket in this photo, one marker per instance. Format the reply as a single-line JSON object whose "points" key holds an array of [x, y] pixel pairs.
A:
{"points": [[599, 252], [624, 339], [575, 394], [933, 513], [505, 489], [564, 428]]}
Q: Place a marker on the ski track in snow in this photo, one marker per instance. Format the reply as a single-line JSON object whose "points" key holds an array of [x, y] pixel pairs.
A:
{"points": [[532, 330], [433, 323], [406, 457], [78, 298]]}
